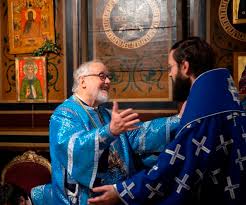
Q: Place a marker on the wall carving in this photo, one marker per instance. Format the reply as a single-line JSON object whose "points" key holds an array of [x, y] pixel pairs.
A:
{"points": [[133, 38]]}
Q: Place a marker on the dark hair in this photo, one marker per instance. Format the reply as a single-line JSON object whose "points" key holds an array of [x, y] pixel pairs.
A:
{"points": [[197, 52], [11, 194]]}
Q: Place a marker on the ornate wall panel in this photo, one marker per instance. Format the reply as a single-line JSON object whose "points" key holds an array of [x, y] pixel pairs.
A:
{"points": [[132, 37], [55, 63], [225, 37]]}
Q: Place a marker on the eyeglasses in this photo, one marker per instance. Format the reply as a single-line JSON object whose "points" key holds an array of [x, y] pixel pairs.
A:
{"points": [[102, 76]]}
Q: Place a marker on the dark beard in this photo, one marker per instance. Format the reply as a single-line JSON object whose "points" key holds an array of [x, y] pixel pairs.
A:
{"points": [[181, 88]]}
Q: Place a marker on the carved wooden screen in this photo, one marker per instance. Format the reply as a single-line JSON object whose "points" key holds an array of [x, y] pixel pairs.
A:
{"points": [[132, 37]]}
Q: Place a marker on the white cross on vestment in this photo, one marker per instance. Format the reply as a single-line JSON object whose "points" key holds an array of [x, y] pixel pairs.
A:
{"points": [[154, 168], [154, 191], [188, 126], [175, 154], [200, 175], [224, 144], [200, 146], [244, 134], [198, 121], [240, 160], [233, 90], [127, 190], [233, 116], [213, 173], [182, 183], [231, 187]]}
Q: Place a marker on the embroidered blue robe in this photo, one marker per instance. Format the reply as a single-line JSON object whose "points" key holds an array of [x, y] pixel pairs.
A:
{"points": [[84, 155], [42, 195], [206, 162]]}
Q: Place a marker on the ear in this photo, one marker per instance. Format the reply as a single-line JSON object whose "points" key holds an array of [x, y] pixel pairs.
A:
{"points": [[185, 69], [82, 82]]}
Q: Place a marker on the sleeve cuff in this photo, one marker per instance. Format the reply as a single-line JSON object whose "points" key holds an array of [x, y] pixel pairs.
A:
{"points": [[105, 136], [116, 190]]}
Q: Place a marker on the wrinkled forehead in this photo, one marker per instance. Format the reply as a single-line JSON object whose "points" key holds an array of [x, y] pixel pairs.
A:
{"points": [[98, 68]]}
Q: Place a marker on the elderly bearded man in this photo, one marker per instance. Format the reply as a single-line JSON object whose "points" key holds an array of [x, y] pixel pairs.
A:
{"points": [[91, 146]]}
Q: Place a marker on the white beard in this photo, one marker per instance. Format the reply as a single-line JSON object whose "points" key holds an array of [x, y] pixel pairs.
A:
{"points": [[101, 97]]}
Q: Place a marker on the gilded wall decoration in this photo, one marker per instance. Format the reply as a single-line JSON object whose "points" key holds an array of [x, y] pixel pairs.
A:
{"points": [[56, 73], [133, 38], [30, 23]]}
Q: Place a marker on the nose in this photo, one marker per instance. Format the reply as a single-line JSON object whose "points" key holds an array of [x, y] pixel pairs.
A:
{"points": [[107, 80]]}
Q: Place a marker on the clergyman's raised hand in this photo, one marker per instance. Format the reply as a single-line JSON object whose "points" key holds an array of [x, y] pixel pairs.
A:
{"points": [[122, 121]]}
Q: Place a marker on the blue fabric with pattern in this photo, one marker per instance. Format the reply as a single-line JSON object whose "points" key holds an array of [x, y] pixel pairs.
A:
{"points": [[77, 145], [206, 162]]}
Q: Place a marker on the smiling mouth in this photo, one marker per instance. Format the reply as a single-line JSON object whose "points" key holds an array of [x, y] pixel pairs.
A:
{"points": [[105, 88], [105, 91]]}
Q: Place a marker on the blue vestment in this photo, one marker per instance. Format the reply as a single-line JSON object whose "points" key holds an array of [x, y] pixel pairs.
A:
{"points": [[206, 162], [42, 195], [85, 154]]}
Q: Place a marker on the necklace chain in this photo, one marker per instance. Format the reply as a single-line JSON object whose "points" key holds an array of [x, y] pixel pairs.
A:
{"points": [[89, 115]]}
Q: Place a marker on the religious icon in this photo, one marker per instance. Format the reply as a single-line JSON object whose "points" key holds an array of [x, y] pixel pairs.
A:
{"points": [[240, 71], [31, 23], [31, 27], [239, 11], [31, 79]]}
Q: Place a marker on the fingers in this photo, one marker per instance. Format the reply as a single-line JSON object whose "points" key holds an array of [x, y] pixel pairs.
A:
{"points": [[126, 112], [99, 189], [122, 121], [99, 199], [109, 196], [131, 123], [130, 117], [115, 107], [95, 199]]}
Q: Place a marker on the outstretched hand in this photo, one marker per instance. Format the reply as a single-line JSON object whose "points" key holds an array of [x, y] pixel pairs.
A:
{"points": [[122, 121], [109, 196]]}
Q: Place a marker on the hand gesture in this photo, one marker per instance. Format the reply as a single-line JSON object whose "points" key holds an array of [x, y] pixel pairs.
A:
{"points": [[109, 196], [122, 121]]}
